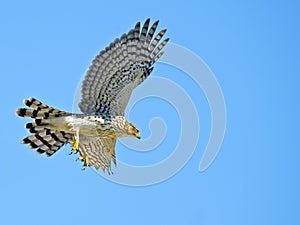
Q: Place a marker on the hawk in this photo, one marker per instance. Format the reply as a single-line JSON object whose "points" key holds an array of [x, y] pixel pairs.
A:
{"points": [[107, 86]]}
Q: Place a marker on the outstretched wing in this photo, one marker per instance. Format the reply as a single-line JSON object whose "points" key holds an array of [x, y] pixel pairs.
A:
{"points": [[99, 150], [118, 69]]}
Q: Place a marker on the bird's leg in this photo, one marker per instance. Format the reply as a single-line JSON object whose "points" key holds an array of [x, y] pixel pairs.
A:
{"points": [[72, 142], [75, 142], [85, 160]]}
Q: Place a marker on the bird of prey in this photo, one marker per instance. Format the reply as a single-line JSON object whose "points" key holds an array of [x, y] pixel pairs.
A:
{"points": [[107, 86]]}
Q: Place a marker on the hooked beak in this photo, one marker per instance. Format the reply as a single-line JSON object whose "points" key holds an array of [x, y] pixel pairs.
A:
{"points": [[138, 135]]}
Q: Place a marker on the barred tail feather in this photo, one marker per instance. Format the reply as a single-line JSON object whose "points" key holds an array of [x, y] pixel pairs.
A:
{"points": [[39, 110], [43, 139], [47, 141]]}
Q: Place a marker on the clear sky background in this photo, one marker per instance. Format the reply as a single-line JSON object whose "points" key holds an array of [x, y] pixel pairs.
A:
{"points": [[253, 49]]}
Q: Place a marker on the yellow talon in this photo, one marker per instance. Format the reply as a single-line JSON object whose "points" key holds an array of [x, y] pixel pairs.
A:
{"points": [[75, 146], [75, 142], [86, 162], [81, 158]]}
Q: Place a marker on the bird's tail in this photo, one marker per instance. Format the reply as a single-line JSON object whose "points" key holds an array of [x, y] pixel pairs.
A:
{"points": [[43, 139]]}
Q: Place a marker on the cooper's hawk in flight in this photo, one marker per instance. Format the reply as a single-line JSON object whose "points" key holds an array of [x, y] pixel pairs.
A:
{"points": [[105, 91]]}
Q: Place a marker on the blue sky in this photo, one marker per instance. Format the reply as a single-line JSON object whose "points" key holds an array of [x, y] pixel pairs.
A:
{"points": [[253, 50]]}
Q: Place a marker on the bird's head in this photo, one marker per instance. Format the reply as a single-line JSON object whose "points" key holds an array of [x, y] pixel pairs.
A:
{"points": [[133, 131]]}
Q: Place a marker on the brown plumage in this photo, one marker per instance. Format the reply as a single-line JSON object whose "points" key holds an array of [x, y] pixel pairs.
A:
{"points": [[105, 92]]}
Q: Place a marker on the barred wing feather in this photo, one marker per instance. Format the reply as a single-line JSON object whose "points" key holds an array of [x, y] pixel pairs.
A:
{"points": [[119, 68]]}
